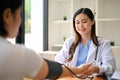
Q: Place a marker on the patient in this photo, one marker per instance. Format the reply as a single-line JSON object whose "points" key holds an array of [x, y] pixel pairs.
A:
{"points": [[85, 47]]}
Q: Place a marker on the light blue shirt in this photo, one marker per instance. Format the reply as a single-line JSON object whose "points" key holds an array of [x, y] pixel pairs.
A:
{"points": [[83, 52]]}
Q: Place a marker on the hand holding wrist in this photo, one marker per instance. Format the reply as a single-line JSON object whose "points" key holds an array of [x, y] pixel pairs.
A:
{"points": [[84, 67]]}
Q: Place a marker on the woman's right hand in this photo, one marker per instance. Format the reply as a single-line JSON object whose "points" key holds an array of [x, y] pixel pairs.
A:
{"points": [[91, 70], [84, 67]]}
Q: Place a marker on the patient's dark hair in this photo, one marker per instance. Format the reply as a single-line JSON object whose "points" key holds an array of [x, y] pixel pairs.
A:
{"points": [[4, 4]]}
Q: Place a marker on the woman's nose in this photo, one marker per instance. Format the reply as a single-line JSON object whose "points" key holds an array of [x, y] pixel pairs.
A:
{"points": [[81, 25]]}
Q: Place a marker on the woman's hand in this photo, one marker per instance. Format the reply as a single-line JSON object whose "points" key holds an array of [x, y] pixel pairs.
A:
{"points": [[85, 67], [91, 69]]}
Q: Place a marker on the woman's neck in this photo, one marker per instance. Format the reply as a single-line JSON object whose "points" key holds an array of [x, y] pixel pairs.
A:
{"points": [[85, 39]]}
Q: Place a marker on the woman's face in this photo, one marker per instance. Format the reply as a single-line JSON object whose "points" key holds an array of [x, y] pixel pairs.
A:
{"points": [[12, 22], [83, 24]]}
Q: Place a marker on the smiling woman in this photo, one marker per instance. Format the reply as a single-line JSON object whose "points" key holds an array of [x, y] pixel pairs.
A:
{"points": [[85, 47]]}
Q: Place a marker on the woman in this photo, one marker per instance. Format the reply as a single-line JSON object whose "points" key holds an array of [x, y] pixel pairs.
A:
{"points": [[86, 47], [17, 61]]}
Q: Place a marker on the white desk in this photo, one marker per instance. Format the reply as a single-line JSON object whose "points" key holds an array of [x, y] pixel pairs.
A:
{"points": [[48, 54]]}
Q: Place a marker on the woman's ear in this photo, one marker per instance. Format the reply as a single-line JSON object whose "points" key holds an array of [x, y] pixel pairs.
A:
{"points": [[7, 15]]}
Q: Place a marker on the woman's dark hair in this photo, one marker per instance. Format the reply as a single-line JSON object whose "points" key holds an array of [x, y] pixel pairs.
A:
{"points": [[4, 4], [77, 39]]}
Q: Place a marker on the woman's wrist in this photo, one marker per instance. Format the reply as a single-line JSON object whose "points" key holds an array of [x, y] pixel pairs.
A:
{"points": [[97, 69], [71, 69]]}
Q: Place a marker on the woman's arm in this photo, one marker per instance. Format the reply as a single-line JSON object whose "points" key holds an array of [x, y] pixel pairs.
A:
{"points": [[108, 60], [42, 72], [63, 54], [45, 70]]}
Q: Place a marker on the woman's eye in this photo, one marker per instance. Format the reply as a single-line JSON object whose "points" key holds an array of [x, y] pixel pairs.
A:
{"points": [[77, 22], [84, 21]]}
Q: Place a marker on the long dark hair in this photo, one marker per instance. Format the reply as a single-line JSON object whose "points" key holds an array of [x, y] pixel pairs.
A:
{"points": [[77, 39], [4, 4]]}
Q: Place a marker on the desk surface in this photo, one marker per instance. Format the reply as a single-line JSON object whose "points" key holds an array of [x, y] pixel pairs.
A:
{"points": [[68, 78]]}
